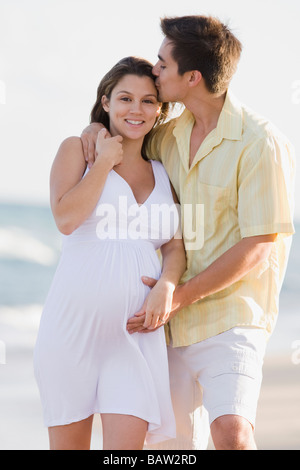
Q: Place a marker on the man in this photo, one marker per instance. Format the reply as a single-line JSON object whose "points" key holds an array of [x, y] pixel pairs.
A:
{"points": [[237, 171]]}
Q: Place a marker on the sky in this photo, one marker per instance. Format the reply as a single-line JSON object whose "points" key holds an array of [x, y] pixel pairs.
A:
{"points": [[53, 54]]}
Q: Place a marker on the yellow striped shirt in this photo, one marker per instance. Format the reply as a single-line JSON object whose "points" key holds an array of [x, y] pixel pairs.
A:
{"points": [[240, 184]]}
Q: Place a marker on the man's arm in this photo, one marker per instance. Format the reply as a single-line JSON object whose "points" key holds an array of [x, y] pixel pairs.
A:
{"points": [[89, 138], [229, 268], [90, 133]]}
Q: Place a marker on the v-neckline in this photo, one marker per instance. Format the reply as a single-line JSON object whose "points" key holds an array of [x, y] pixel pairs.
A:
{"points": [[150, 194]]}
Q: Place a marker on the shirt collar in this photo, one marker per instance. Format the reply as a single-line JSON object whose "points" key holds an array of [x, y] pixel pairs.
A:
{"points": [[230, 123]]}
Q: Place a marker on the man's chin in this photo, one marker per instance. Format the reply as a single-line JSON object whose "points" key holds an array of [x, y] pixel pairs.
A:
{"points": [[161, 97], [165, 98]]}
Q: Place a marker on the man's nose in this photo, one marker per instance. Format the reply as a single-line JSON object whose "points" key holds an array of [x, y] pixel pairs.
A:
{"points": [[155, 70]]}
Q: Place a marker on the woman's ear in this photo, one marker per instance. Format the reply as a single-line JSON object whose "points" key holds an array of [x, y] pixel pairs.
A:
{"points": [[105, 103]]}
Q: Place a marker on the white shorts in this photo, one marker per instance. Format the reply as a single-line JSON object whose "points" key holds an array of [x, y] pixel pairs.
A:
{"points": [[222, 373]]}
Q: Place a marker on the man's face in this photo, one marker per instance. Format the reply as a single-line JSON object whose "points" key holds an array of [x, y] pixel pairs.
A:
{"points": [[171, 86]]}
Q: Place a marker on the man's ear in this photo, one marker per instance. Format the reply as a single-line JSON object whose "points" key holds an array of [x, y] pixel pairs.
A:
{"points": [[195, 78], [105, 103]]}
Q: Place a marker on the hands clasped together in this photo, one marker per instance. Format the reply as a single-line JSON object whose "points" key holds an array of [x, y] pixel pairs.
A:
{"points": [[159, 307]]}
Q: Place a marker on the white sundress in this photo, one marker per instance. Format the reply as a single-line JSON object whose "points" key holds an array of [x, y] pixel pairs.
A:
{"points": [[85, 361]]}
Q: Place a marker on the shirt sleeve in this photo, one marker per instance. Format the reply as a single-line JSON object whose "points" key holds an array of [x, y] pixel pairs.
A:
{"points": [[156, 138], [266, 188]]}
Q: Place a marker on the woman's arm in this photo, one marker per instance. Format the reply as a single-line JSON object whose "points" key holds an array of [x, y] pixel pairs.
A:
{"points": [[72, 197], [158, 303]]}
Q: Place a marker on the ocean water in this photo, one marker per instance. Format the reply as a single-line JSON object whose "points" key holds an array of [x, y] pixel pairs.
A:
{"points": [[29, 251]]}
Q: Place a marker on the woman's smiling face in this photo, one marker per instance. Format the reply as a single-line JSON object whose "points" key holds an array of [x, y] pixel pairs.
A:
{"points": [[133, 107]]}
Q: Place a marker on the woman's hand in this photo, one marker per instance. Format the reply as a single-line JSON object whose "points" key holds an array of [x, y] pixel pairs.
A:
{"points": [[109, 149], [135, 324], [158, 304]]}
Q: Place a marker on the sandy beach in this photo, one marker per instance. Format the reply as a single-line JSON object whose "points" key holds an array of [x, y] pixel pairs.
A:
{"points": [[278, 415], [21, 427]]}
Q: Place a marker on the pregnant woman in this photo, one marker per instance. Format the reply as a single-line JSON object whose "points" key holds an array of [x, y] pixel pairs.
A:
{"points": [[85, 360]]}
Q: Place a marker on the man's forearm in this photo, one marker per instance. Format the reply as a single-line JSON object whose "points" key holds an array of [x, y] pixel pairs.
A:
{"points": [[229, 268]]}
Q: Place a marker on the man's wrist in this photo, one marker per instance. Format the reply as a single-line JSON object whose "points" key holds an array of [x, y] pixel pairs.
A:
{"points": [[179, 298], [165, 280], [94, 127], [185, 295]]}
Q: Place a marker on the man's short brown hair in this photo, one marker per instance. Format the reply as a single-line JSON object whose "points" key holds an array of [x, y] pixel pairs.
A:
{"points": [[205, 44]]}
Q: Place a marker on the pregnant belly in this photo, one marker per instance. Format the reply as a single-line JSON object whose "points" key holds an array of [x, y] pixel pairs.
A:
{"points": [[101, 287]]}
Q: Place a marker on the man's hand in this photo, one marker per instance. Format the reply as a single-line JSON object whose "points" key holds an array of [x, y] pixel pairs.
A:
{"points": [[89, 138], [136, 323]]}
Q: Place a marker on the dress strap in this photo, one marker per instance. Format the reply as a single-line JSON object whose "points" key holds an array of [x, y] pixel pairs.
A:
{"points": [[161, 176]]}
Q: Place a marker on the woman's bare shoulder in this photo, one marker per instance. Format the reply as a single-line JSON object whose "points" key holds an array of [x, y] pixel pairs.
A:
{"points": [[69, 157], [72, 143]]}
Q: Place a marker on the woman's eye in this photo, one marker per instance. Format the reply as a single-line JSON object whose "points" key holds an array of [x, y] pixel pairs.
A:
{"points": [[125, 98]]}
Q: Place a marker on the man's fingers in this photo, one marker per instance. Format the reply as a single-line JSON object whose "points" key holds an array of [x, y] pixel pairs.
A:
{"points": [[85, 146], [135, 323], [91, 153], [149, 281], [139, 314]]}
